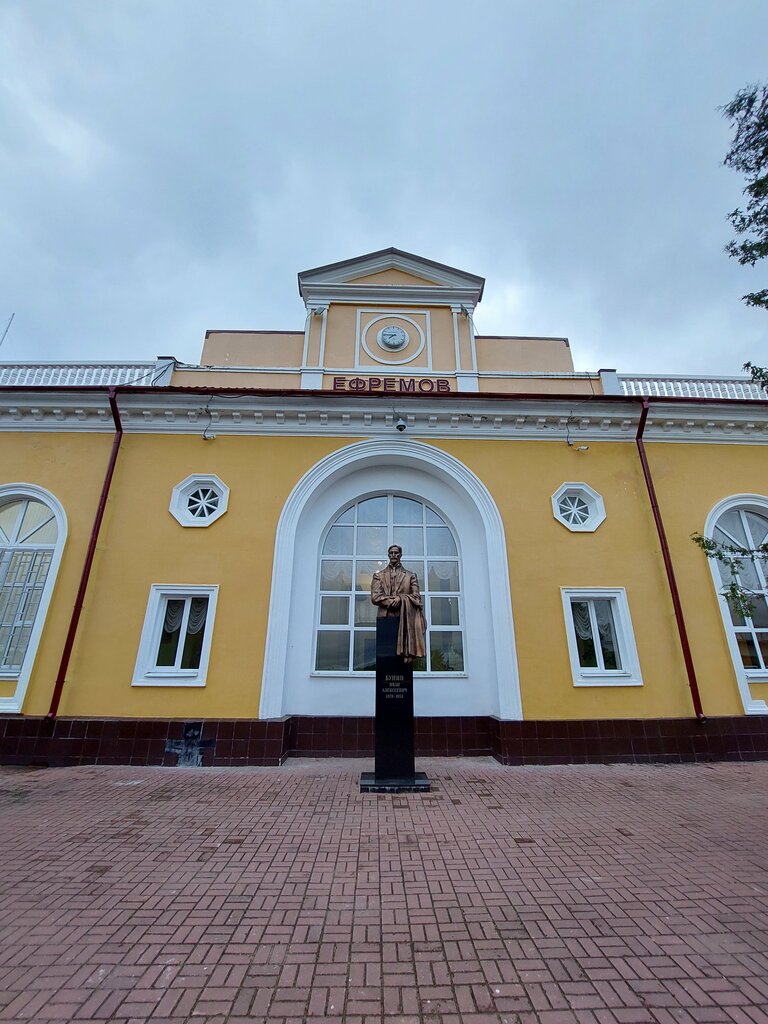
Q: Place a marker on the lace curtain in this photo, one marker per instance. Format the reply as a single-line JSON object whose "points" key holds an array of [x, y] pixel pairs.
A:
{"points": [[583, 625], [174, 612], [197, 614]]}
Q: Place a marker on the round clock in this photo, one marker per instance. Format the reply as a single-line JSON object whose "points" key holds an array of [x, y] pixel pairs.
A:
{"points": [[392, 338]]}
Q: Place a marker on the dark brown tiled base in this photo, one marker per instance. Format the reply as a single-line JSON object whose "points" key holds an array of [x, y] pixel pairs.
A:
{"points": [[68, 741]]}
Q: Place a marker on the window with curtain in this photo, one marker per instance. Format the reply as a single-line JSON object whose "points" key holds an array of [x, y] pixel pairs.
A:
{"points": [[595, 630], [176, 640], [746, 528], [601, 644], [354, 547], [28, 536]]}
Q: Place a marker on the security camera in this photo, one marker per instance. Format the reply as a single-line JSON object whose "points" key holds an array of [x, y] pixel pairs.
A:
{"points": [[401, 424]]}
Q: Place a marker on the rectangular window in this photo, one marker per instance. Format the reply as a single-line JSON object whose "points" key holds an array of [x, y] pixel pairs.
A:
{"points": [[176, 639], [601, 644]]}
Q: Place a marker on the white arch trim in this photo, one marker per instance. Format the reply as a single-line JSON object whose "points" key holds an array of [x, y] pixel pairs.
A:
{"points": [[21, 490], [419, 456], [758, 502]]}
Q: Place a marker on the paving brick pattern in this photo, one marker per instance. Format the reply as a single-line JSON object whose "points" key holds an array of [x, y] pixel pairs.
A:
{"points": [[574, 894]]}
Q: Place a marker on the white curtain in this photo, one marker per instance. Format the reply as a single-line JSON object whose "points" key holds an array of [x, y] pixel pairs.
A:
{"points": [[197, 614], [581, 620], [174, 612], [605, 626]]}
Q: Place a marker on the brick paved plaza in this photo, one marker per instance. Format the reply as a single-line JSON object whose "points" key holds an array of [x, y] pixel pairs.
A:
{"points": [[536, 895]]}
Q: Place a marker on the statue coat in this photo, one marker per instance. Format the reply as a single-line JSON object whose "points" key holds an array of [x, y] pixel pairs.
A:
{"points": [[396, 594]]}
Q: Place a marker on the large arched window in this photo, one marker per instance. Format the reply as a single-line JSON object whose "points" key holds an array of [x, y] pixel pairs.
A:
{"points": [[746, 526], [28, 536], [353, 548], [33, 529]]}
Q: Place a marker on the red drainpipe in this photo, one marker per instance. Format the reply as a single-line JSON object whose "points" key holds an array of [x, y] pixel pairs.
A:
{"points": [[689, 667], [69, 643]]}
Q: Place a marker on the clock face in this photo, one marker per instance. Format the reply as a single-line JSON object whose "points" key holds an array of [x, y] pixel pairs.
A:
{"points": [[392, 338]]}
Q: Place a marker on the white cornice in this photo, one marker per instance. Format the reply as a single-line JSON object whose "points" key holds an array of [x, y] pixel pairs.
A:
{"points": [[389, 294], [168, 411]]}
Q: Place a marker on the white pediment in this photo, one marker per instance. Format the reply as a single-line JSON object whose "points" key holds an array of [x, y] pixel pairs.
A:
{"points": [[390, 275]]}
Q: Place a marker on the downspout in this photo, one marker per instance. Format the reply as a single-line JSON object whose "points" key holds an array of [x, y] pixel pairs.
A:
{"points": [[679, 618], [69, 643]]}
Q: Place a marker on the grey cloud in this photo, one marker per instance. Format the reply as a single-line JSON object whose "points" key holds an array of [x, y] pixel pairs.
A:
{"points": [[168, 166]]}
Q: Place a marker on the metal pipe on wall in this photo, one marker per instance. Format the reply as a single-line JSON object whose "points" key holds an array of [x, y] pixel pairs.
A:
{"points": [[74, 621], [671, 579]]}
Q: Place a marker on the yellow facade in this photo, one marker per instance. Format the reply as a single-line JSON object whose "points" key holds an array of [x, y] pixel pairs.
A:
{"points": [[141, 544], [261, 414]]}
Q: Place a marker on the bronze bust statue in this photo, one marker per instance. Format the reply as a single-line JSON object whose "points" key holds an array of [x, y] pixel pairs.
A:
{"points": [[395, 591]]}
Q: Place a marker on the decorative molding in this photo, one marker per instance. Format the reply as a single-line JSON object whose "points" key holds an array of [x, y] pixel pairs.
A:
{"points": [[351, 294], [183, 491], [330, 283], [311, 380], [581, 418], [593, 502], [468, 382], [676, 385], [758, 503], [420, 457], [424, 333], [77, 374]]}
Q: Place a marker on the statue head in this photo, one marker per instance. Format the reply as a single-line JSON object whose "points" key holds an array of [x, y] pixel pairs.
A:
{"points": [[395, 553]]}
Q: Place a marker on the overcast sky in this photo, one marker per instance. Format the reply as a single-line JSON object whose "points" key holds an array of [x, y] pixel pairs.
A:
{"points": [[168, 166]]}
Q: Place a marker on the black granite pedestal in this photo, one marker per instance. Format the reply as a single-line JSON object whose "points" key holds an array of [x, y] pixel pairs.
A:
{"points": [[394, 766]]}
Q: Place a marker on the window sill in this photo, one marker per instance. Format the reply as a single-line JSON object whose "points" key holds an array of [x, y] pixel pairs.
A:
{"points": [[170, 680], [619, 679], [372, 675], [754, 675], [9, 677]]}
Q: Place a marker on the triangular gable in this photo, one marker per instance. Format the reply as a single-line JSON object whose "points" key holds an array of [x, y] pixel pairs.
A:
{"points": [[406, 277], [392, 277]]}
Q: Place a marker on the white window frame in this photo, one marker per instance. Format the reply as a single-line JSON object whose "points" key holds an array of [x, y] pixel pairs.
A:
{"points": [[748, 503], [12, 492], [425, 596], [591, 499], [147, 672], [181, 494], [629, 674]]}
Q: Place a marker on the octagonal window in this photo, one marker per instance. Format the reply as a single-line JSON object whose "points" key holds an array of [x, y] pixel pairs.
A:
{"points": [[578, 507], [199, 500]]}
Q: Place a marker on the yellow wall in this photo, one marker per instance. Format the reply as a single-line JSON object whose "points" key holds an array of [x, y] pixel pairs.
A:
{"points": [[142, 544], [545, 556], [540, 386], [207, 379], [72, 468], [234, 349], [252, 348], [393, 277], [523, 355], [690, 480]]}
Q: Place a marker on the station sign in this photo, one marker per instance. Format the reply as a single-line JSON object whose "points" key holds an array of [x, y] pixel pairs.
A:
{"points": [[394, 385]]}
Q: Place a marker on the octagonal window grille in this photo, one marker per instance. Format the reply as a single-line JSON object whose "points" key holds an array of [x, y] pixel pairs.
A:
{"points": [[203, 502], [573, 509], [578, 507], [199, 500]]}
